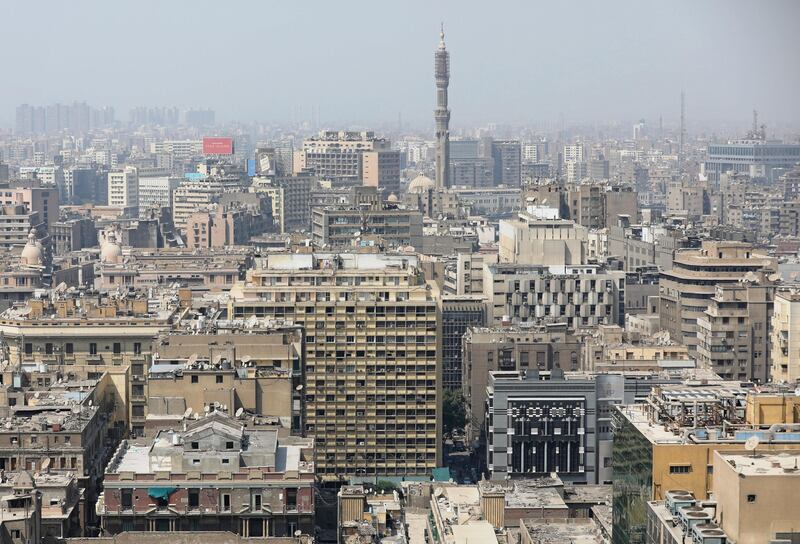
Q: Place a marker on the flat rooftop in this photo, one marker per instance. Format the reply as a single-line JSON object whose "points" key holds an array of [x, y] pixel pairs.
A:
{"points": [[764, 464], [574, 531]]}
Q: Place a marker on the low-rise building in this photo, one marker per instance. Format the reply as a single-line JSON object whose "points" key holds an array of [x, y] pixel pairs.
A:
{"points": [[669, 442], [212, 475], [200, 270], [58, 509]]}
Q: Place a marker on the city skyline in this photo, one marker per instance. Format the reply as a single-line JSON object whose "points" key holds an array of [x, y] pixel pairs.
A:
{"points": [[594, 64]]}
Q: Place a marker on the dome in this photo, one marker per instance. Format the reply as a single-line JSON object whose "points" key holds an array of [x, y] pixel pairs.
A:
{"points": [[32, 252], [420, 184], [111, 252], [392, 198]]}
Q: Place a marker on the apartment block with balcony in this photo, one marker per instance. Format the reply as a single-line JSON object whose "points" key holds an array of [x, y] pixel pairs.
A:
{"points": [[687, 289], [785, 337], [373, 356], [733, 334]]}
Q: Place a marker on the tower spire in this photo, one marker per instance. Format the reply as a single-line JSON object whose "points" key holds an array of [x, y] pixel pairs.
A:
{"points": [[442, 114]]}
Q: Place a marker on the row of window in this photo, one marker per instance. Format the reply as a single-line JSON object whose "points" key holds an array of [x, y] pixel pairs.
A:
{"points": [[69, 348]]}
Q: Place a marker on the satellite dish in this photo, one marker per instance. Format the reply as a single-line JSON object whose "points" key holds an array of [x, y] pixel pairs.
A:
{"points": [[187, 413], [239, 412], [751, 443]]}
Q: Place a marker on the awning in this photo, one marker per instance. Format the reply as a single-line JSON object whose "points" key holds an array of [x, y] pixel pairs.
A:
{"points": [[161, 492]]}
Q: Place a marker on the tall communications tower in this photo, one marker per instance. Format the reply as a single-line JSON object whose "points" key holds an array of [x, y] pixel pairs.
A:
{"points": [[442, 114], [682, 135]]}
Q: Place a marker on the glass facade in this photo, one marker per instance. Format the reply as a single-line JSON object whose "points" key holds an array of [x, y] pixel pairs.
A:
{"points": [[632, 459]]}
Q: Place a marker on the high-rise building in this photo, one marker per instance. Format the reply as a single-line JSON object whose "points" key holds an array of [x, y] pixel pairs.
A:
{"points": [[442, 114], [733, 333], [785, 341], [459, 313], [687, 289], [199, 118], [348, 224], [469, 165], [507, 155], [347, 158], [291, 195], [756, 157], [372, 337], [155, 191], [536, 240], [123, 188]]}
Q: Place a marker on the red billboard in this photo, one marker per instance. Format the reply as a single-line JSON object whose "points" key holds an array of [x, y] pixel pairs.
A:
{"points": [[217, 146]]}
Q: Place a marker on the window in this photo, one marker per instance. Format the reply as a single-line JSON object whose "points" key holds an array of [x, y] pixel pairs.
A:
{"points": [[291, 499], [194, 498], [229, 445], [117, 348], [257, 501], [195, 445], [194, 379], [28, 348], [69, 348], [751, 498], [93, 348], [226, 501], [137, 348], [48, 348], [219, 379], [126, 499], [680, 469]]}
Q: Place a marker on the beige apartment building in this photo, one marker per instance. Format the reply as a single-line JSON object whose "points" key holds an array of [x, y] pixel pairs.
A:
{"points": [[537, 240], [581, 296], [487, 349], [733, 332], [756, 496], [200, 270], [614, 349], [350, 158], [373, 362], [291, 195], [786, 337], [87, 336], [207, 363], [687, 289]]}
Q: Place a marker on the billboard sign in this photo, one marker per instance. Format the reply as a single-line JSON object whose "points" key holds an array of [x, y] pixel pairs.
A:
{"points": [[217, 146], [265, 161]]}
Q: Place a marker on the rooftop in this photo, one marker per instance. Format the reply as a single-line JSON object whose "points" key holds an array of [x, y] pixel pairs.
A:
{"points": [[558, 531], [764, 464]]}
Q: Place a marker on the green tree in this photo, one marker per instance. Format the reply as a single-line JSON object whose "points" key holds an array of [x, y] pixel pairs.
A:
{"points": [[455, 411]]}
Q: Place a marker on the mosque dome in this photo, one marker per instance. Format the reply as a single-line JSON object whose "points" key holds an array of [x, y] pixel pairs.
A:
{"points": [[32, 252], [111, 252], [420, 184]]}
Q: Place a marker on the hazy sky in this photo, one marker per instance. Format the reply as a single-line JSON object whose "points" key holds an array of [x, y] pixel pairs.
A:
{"points": [[368, 61]]}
